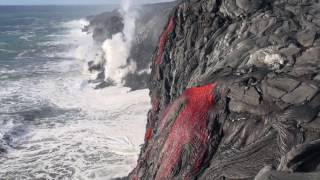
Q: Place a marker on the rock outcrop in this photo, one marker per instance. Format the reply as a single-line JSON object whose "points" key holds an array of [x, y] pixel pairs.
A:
{"points": [[235, 93], [150, 21]]}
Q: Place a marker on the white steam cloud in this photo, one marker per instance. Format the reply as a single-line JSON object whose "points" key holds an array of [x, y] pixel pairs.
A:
{"points": [[117, 49]]}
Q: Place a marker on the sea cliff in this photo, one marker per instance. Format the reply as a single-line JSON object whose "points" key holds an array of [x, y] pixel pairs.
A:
{"points": [[235, 93]]}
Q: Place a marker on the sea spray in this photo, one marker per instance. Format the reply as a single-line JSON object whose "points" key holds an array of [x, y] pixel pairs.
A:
{"points": [[117, 49], [82, 47]]}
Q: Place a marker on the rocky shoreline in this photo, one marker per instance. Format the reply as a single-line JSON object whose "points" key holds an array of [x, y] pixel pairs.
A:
{"points": [[150, 21]]}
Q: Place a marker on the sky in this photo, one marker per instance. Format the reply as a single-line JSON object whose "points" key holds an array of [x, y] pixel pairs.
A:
{"points": [[64, 2]]}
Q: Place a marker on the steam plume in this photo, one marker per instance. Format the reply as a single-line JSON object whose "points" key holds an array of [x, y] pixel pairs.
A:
{"points": [[117, 49]]}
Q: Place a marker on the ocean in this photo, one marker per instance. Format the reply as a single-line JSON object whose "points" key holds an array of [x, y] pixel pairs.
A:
{"points": [[53, 124]]}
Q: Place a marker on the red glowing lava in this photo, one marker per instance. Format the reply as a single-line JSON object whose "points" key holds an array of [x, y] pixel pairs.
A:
{"points": [[163, 40], [189, 128], [148, 134]]}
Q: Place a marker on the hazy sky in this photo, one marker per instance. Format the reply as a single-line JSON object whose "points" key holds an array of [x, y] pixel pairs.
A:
{"points": [[45, 2]]}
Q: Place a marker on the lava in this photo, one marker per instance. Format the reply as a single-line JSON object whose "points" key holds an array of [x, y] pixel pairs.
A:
{"points": [[148, 134], [188, 130], [163, 40]]}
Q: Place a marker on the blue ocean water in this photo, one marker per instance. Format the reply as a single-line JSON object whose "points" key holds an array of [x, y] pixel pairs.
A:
{"points": [[53, 125]]}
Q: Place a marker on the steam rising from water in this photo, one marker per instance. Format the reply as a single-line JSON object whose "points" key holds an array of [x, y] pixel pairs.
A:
{"points": [[117, 49]]}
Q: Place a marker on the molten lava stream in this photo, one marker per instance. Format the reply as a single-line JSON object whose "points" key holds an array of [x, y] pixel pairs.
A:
{"points": [[163, 40], [189, 130]]}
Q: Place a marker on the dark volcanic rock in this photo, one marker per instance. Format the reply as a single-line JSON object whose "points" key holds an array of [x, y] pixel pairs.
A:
{"points": [[235, 93], [104, 25], [150, 22]]}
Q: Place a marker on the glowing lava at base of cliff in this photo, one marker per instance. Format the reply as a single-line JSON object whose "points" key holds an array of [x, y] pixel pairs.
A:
{"points": [[163, 40], [189, 130]]}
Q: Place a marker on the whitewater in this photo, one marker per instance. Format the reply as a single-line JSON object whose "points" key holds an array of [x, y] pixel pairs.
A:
{"points": [[53, 123]]}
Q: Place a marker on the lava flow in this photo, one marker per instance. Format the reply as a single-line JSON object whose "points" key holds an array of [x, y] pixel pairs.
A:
{"points": [[188, 131], [163, 40], [148, 134]]}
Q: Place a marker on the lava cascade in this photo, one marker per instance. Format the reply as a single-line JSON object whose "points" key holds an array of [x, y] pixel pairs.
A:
{"points": [[190, 128], [163, 40]]}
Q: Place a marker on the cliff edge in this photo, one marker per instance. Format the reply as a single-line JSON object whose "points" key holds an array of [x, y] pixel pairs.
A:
{"points": [[235, 93]]}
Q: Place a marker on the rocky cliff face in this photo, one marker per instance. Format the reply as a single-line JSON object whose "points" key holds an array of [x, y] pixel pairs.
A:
{"points": [[235, 93]]}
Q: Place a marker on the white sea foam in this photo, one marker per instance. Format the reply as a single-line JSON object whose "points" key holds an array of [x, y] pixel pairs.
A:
{"points": [[84, 48], [27, 37], [7, 71], [56, 35], [100, 140], [7, 51], [85, 134], [12, 33], [75, 24], [26, 54], [50, 43], [145, 71]]}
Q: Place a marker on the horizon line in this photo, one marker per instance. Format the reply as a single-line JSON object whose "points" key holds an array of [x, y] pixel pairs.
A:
{"points": [[58, 4]]}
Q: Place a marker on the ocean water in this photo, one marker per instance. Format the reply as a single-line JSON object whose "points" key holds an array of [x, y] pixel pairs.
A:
{"points": [[53, 124]]}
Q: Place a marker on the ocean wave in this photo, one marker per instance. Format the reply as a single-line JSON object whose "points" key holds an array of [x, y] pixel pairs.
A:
{"points": [[27, 37], [7, 51], [7, 71], [27, 18], [56, 35], [27, 54], [55, 125], [75, 24], [50, 43], [12, 33], [79, 147], [79, 45], [78, 150]]}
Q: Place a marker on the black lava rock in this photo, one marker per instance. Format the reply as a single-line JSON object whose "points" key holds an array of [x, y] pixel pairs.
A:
{"points": [[261, 59]]}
